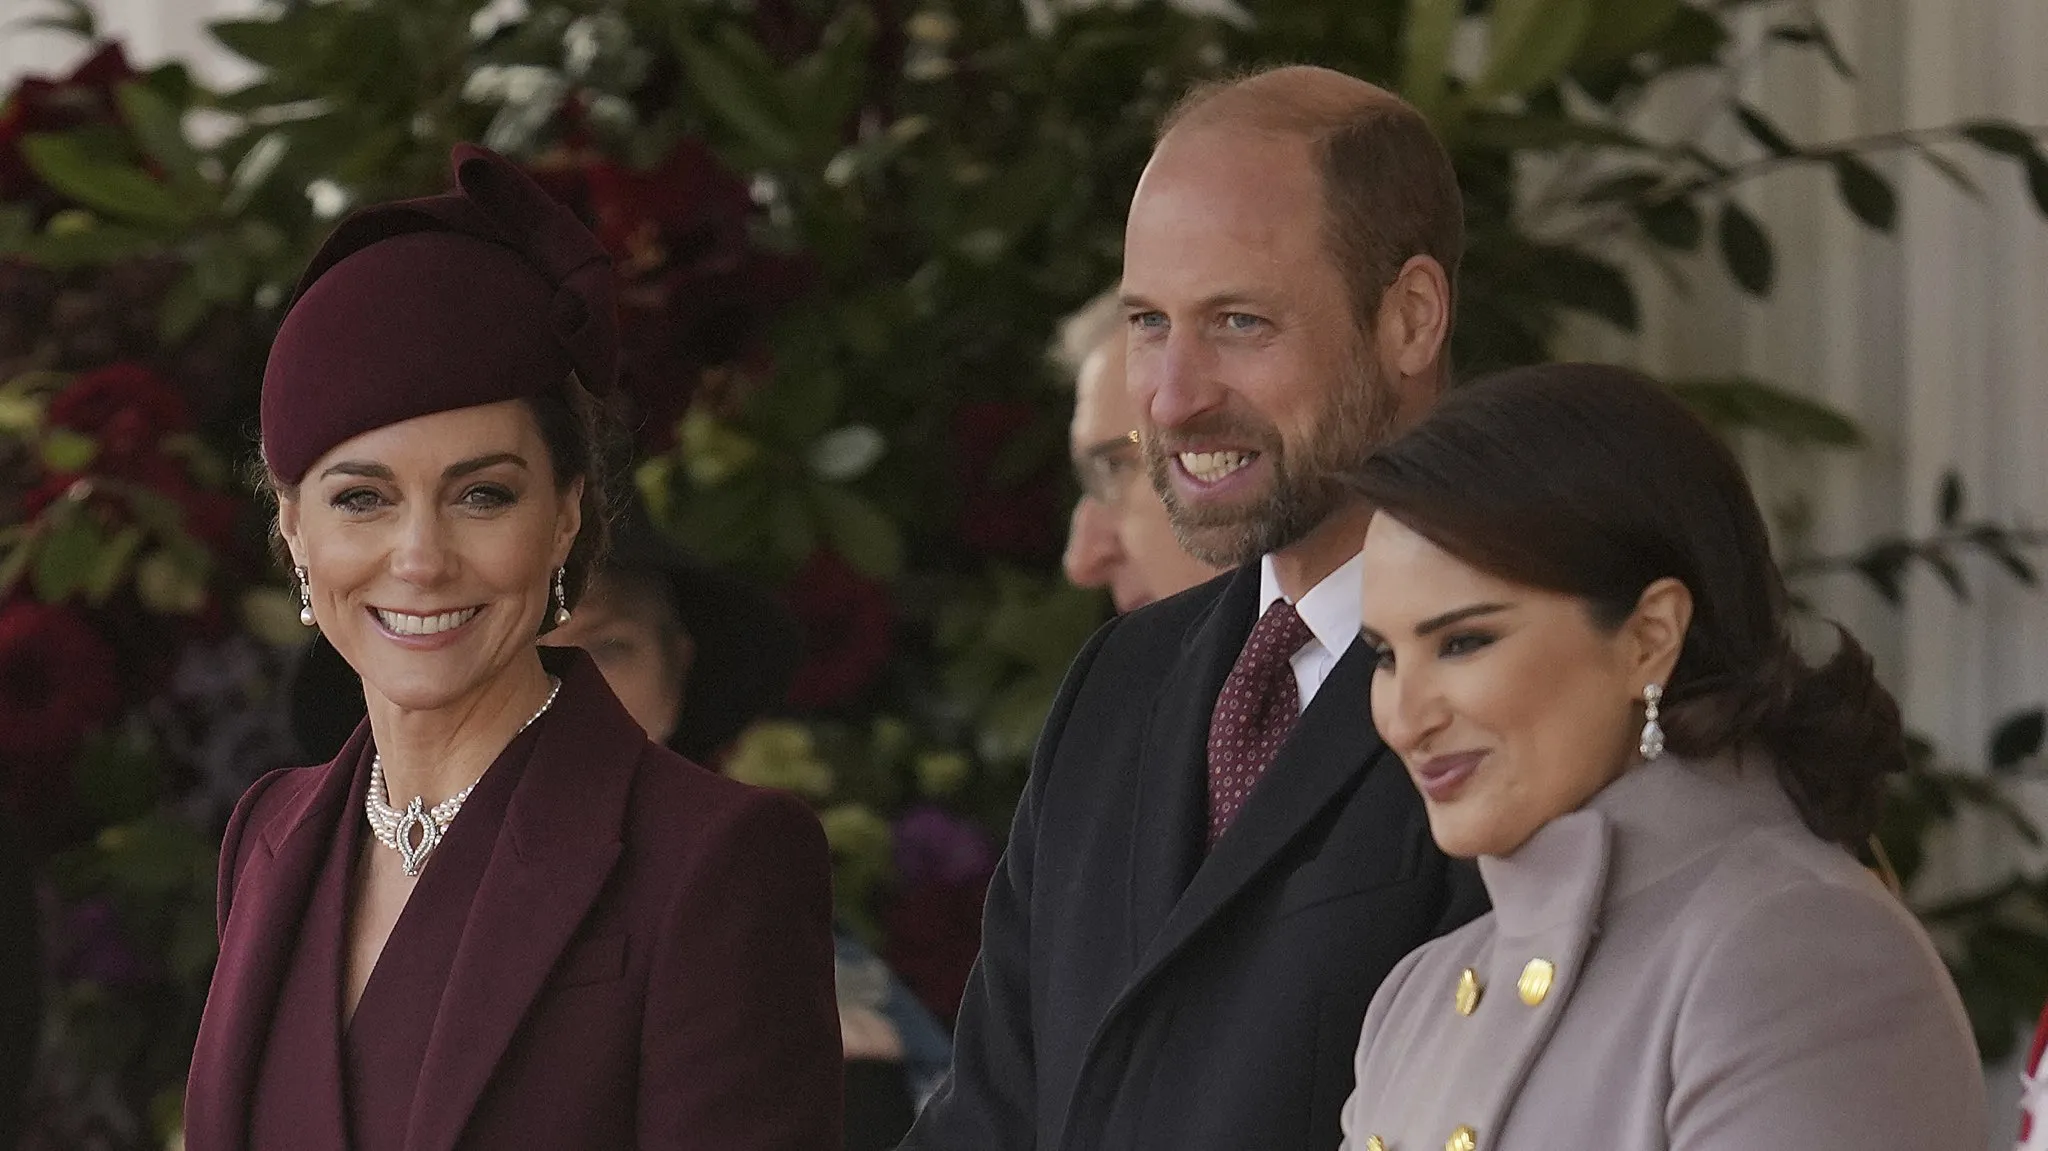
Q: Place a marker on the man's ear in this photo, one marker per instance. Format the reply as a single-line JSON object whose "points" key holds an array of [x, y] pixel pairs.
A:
{"points": [[1656, 631], [1414, 319]]}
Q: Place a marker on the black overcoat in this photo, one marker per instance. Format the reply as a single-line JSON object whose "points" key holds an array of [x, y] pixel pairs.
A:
{"points": [[1133, 992]]}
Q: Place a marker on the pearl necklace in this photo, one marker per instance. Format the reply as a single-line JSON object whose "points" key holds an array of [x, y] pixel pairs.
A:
{"points": [[396, 829]]}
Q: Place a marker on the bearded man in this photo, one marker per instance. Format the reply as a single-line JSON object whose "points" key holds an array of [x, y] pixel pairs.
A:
{"points": [[1216, 860]]}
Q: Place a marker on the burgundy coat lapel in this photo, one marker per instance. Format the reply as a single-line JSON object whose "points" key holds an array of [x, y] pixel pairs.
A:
{"points": [[559, 842], [264, 908]]}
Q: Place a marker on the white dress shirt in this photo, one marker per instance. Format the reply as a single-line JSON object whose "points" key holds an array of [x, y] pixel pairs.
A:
{"points": [[1331, 611]]}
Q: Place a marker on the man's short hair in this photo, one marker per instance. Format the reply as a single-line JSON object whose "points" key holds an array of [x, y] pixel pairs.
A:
{"points": [[1096, 323], [1389, 191]]}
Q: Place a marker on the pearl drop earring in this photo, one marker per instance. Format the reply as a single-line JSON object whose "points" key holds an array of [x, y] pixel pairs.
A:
{"points": [[305, 596], [1652, 743], [561, 598]]}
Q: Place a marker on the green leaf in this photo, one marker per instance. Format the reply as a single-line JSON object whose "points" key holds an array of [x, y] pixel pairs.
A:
{"points": [[1425, 64], [112, 564], [743, 108], [1531, 42], [65, 557], [1621, 28], [1741, 404], [1693, 40], [2018, 738], [67, 450], [1868, 194], [2002, 136], [860, 532], [254, 170], [117, 190], [278, 44], [14, 564], [1949, 503], [1746, 249], [81, 240], [2037, 181], [160, 131], [1674, 223], [1817, 36], [1764, 132], [1576, 280], [73, 16]]}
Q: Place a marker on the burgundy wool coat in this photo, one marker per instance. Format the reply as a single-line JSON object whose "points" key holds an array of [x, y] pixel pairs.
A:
{"points": [[646, 960]]}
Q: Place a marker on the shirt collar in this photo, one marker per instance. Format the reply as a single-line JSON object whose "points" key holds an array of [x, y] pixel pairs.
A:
{"points": [[1330, 609]]}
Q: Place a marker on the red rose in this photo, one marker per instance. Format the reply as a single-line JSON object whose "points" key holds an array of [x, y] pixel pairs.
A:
{"points": [[57, 680], [934, 934], [127, 409], [41, 104], [1019, 518], [846, 622], [695, 291]]}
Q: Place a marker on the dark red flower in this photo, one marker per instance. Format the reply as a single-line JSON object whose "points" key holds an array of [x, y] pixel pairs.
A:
{"points": [[57, 680], [934, 933], [127, 409], [44, 104], [846, 621], [1019, 518], [695, 290]]}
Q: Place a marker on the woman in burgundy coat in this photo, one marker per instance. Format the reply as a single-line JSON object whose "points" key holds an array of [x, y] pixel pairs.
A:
{"points": [[501, 917]]}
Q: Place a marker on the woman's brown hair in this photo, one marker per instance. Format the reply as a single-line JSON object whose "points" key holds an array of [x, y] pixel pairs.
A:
{"points": [[1594, 481]]}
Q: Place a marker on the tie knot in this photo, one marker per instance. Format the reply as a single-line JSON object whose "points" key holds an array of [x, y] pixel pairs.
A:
{"points": [[1277, 636]]}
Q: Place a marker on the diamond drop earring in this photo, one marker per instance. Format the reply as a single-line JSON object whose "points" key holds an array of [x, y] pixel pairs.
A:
{"points": [[1652, 742], [305, 596], [561, 598]]}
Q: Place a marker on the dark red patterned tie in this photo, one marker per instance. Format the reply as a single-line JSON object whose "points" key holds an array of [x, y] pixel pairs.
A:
{"points": [[1256, 710]]}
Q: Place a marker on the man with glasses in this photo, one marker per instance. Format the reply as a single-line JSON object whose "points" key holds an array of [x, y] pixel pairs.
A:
{"points": [[1119, 538]]}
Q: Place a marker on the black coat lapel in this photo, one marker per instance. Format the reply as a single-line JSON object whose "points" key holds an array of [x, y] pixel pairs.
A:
{"points": [[1329, 751], [1170, 817]]}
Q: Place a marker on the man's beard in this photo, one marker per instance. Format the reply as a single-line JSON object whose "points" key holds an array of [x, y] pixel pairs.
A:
{"points": [[1308, 482]]}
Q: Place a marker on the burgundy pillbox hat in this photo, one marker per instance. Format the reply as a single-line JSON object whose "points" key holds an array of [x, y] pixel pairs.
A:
{"points": [[490, 292]]}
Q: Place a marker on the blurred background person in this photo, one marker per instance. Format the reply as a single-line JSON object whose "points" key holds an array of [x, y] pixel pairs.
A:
{"points": [[696, 655], [1119, 538]]}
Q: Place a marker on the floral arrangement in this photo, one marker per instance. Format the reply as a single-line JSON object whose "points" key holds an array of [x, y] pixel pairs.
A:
{"points": [[845, 234]]}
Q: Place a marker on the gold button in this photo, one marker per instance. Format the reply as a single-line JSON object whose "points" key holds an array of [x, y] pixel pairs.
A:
{"points": [[1463, 1139], [1467, 1000], [1536, 980], [1375, 1143]]}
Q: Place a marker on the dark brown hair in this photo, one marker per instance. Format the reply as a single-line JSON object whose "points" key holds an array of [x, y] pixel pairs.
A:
{"points": [[1389, 191], [1593, 481]]}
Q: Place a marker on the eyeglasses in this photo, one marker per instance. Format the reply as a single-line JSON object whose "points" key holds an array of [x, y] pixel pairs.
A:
{"points": [[1107, 470]]}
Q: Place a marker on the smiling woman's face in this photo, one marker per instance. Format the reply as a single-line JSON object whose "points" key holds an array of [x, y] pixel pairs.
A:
{"points": [[1509, 705], [430, 546]]}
